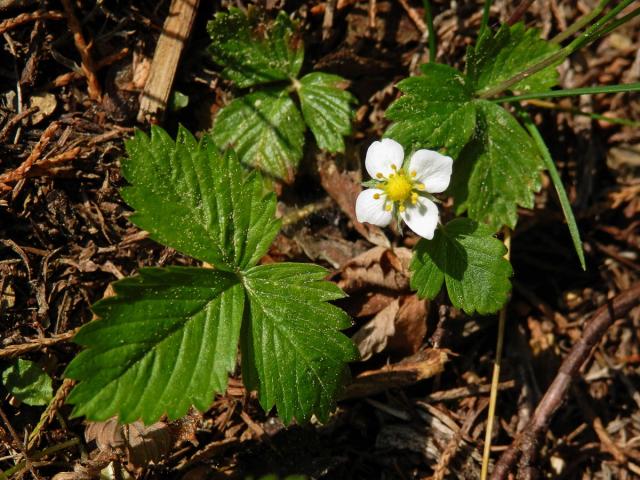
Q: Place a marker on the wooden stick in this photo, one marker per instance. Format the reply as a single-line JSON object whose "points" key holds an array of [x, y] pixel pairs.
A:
{"points": [[175, 33]]}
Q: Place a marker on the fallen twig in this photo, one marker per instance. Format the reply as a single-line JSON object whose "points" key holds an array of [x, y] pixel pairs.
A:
{"points": [[527, 442], [37, 344], [88, 67], [28, 17]]}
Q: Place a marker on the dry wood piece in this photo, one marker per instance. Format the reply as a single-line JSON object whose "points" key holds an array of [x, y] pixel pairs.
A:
{"points": [[173, 39], [411, 370]]}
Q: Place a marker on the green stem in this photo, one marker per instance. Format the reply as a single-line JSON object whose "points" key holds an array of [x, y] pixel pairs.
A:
{"points": [[428, 18], [581, 23], [484, 24], [557, 183], [570, 92], [592, 34], [616, 23]]}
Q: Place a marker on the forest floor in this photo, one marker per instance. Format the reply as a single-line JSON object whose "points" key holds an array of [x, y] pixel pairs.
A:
{"points": [[418, 404]]}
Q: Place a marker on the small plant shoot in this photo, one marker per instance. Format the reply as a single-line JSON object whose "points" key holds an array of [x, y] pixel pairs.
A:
{"points": [[266, 127]]}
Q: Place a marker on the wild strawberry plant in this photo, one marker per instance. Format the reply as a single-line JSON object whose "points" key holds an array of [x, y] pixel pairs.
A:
{"points": [[265, 126]]}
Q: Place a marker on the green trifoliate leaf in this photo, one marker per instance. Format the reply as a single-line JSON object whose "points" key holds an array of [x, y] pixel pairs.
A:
{"points": [[167, 341], [252, 51], [469, 260], [26, 381], [435, 111], [265, 129], [190, 197], [498, 170], [513, 49], [292, 351], [326, 109]]}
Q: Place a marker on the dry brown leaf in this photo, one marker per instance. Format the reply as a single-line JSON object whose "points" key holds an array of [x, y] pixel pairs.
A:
{"points": [[368, 304], [373, 336], [343, 188], [410, 326], [147, 444], [378, 267]]}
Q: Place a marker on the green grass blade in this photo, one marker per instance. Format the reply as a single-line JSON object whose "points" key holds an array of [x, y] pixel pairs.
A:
{"points": [[571, 92], [557, 183]]}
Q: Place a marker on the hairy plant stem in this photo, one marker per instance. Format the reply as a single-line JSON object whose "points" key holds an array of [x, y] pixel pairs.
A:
{"points": [[581, 23], [495, 377], [570, 92], [592, 34]]}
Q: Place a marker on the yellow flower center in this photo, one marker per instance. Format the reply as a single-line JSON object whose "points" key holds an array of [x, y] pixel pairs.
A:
{"points": [[398, 187]]}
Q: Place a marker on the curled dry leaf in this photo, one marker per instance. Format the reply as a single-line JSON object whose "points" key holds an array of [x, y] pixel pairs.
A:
{"points": [[410, 326], [379, 267], [373, 336], [400, 327], [142, 444]]}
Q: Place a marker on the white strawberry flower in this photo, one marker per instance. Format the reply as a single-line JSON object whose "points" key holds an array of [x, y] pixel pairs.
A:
{"points": [[403, 190]]}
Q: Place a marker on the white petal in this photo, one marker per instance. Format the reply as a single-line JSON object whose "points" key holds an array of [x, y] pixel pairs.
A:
{"points": [[371, 210], [381, 155], [432, 169], [422, 217]]}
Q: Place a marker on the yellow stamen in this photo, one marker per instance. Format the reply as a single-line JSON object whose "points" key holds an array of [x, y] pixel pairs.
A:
{"points": [[387, 207], [414, 198], [398, 187], [414, 173], [420, 186], [376, 196], [379, 175], [394, 168], [401, 208]]}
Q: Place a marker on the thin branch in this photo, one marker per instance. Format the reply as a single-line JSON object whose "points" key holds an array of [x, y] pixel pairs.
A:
{"points": [[556, 393]]}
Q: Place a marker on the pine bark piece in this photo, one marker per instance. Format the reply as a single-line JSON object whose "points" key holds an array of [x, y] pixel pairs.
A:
{"points": [[172, 42]]}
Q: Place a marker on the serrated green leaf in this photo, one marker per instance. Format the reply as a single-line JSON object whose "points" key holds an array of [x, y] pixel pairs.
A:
{"points": [[26, 381], [435, 111], [251, 50], [165, 342], [326, 109], [265, 129], [190, 197], [470, 260], [292, 351], [513, 49], [498, 170]]}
